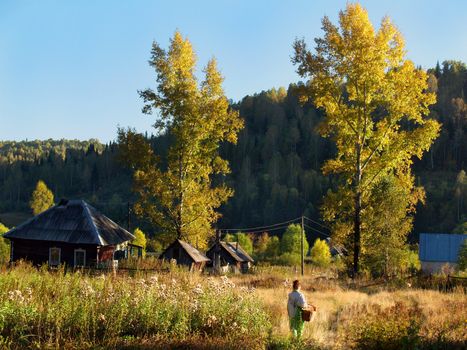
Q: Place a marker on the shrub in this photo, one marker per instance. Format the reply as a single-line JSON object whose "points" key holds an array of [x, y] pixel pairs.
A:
{"points": [[462, 259], [243, 239], [273, 249], [261, 245], [290, 242], [140, 239], [320, 253], [4, 245], [375, 327], [289, 259]]}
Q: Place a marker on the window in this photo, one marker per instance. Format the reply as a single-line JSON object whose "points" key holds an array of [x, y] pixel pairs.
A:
{"points": [[80, 257], [54, 256]]}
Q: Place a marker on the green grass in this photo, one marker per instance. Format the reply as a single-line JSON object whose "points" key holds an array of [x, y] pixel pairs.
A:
{"points": [[175, 309]]}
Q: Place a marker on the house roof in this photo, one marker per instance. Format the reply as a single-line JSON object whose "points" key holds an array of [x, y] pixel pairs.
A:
{"points": [[71, 221], [440, 247], [236, 251], [194, 253]]}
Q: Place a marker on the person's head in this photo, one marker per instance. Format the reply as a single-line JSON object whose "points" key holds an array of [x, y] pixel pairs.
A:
{"points": [[296, 285]]}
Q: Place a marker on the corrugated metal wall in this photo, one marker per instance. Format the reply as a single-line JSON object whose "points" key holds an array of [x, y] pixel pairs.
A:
{"points": [[440, 246]]}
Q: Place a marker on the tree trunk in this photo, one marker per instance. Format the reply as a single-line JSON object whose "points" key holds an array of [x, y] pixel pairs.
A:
{"points": [[180, 199], [357, 219], [357, 227]]}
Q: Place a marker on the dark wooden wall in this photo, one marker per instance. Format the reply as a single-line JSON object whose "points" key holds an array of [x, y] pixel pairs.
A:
{"points": [[38, 251], [175, 251], [226, 258]]}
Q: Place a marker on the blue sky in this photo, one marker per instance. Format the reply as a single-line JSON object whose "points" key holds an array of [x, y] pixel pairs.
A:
{"points": [[71, 69]]}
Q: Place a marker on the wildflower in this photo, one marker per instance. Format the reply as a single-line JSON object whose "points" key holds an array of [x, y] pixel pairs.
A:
{"points": [[211, 321], [142, 282], [87, 289], [101, 318], [198, 289], [28, 291], [16, 296]]}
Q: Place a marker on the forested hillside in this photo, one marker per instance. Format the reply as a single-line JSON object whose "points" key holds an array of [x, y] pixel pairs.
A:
{"points": [[275, 165]]}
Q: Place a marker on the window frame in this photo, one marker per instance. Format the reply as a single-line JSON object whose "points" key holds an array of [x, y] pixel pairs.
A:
{"points": [[59, 256], [79, 250]]}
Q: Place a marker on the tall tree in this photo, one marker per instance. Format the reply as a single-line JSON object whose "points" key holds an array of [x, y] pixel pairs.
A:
{"points": [[42, 198], [140, 239], [374, 102], [4, 245], [178, 193]]}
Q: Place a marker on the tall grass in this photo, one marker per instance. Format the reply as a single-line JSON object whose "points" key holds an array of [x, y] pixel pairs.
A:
{"points": [[52, 309], [175, 309], [382, 317]]}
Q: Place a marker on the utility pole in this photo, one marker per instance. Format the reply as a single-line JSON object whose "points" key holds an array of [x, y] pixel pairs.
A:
{"points": [[301, 247], [128, 216], [217, 252]]}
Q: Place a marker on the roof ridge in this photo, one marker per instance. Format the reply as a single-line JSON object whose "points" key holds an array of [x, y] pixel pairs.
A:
{"points": [[189, 253], [95, 229]]}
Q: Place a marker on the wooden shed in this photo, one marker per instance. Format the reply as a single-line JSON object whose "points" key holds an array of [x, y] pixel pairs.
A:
{"points": [[231, 255], [185, 254], [71, 233]]}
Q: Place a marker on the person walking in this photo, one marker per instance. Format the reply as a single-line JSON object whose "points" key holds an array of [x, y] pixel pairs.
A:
{"points": [[295, 304]]}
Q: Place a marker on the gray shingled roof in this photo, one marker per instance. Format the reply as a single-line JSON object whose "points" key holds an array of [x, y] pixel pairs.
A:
{"points": [[236, 251], [72, 221], [194, 253]]}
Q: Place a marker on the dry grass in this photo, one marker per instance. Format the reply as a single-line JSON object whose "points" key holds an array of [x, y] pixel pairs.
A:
{"points": [[175, 310], [442, 315]]}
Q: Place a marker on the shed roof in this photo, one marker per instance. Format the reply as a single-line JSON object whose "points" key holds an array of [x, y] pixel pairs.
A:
{"points": [[236, 251], [194, 253], [440, 247], [71, 221]]}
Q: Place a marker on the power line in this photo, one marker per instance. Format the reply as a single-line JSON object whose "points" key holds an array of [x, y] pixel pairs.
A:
{"points": [[264, 230], [249, 229], [317, 223], [316, 230]]}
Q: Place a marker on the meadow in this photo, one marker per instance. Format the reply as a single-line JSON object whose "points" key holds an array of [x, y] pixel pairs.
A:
{"points": [[175, 309]]}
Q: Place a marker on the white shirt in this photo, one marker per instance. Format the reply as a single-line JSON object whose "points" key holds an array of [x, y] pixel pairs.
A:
{"points": [[295, 299]]}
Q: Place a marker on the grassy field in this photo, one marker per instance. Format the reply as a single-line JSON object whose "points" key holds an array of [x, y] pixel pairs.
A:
{"points": [[179, 310]]}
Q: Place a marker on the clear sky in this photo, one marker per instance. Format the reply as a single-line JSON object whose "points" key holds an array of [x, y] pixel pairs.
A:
{"points": [[71, 69]]}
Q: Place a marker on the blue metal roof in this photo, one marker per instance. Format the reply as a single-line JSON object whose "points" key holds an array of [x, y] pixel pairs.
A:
{"points": [[440, 247]]}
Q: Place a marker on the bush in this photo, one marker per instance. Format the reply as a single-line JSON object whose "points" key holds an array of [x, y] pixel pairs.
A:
{"points": [[4, 245], [462, 259], [320, 253], [290, 242], [274, 247], [396, 327], [140, 239], [289, 259], [243, 239]]}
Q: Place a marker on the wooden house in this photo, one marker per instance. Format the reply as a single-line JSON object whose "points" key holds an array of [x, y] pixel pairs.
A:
{"points": [[185, 254], [71, 233], [231, 256]]}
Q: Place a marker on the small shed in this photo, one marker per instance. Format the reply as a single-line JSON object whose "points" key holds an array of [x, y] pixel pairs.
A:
{"points": [[438, 249], [71, 233], [185, 254], [231, 255]]}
